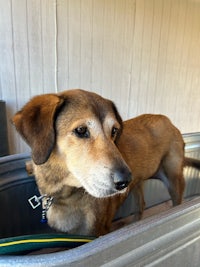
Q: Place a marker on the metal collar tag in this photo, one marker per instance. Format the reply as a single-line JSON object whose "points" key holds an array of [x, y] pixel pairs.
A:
{"points": [[35, 201]]}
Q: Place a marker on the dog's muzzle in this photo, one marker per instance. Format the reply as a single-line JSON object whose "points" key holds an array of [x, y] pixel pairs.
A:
{"points": [[122, 178]]}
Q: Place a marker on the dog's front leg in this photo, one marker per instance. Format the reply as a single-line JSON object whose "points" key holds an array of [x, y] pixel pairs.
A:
{"points": [[138, 193]]}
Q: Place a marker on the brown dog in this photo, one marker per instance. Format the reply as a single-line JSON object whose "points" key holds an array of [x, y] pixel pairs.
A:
{"points": [[74, 137]]}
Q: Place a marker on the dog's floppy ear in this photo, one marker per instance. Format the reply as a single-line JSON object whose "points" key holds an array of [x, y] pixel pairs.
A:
{"points": [[119, 118], [35, 122]]}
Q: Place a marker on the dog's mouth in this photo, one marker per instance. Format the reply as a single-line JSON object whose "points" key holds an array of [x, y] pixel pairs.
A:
{"points": [[105, 183], [101, 190]]}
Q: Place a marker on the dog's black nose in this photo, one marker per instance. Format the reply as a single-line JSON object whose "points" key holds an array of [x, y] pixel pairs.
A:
{"points": [[122, 178]]}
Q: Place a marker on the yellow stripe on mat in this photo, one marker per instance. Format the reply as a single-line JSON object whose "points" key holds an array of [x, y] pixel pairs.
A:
{"points": [[44, 240]]}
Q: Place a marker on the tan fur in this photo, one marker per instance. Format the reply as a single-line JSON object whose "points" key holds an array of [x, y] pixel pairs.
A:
{"points": [[87, 176]]}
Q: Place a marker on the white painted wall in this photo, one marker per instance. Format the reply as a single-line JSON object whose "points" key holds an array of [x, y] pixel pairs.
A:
{"points": [[142, 54]]}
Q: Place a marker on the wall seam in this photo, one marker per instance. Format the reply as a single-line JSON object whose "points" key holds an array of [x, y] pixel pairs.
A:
{"points": [[56, 47], [131, 65]]}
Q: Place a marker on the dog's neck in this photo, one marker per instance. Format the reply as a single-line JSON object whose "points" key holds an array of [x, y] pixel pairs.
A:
{"points": [[62, 199], [57, 183]]}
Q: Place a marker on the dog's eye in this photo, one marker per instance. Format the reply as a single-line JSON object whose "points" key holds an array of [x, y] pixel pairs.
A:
{"points": [[114, 132], [82, 132]]}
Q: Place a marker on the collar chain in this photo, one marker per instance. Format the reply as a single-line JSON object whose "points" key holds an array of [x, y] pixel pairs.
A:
{"points": [[46, 201]]}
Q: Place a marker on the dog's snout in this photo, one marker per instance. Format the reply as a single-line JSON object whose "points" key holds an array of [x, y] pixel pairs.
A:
{"points": [[122, 178]]}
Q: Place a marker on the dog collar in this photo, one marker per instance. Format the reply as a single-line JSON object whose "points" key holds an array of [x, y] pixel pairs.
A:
{"points": [[46, 202]]}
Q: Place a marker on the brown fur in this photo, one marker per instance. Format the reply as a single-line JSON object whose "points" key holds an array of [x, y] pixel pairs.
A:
{"points": [[152, 146], [87, 175]]}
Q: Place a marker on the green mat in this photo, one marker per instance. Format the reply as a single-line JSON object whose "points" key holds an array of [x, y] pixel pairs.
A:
{"points": [[20, 244]]}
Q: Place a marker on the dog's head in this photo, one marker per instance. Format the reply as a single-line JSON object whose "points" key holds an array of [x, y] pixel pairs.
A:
{"points": [[79, 129]]}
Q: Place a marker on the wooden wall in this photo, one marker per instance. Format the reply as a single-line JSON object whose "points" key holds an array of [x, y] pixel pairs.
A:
{"points": [[142, 54]]}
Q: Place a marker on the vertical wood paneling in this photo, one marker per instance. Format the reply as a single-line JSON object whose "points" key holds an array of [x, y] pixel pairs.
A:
{"points": [[108, 43], [63, 44], [142, 54], [160, 95], [20, 43], [145, 51], [97, 44], [49, 45], [34, 29], [193, 64], [122, 98], [21, 60], [7, 68], [180, 59], [157, 13], [175, 48], [74, 42], [136, 57], [86, 24], [117, 38], [118, 68]]}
